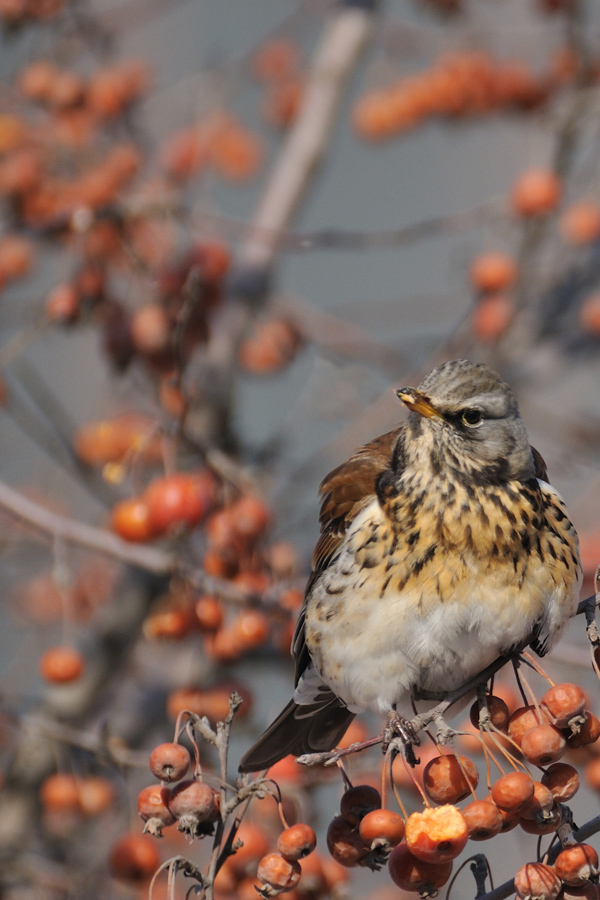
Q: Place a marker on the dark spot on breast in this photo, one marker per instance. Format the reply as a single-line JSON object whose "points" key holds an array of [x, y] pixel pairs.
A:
{"points": [[427, 556], [499, 533], [559, 514], [511, 517], [329, 589], [413, 538], [384, 586], [369, 562], [485, 521], [551, 550]]}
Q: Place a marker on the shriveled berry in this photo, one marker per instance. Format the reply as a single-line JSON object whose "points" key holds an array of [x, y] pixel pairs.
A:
{"points": [[537, 881], [345, 843], [194, 805], [279, 873], [562, 780], [539, 805], [588, 733]]}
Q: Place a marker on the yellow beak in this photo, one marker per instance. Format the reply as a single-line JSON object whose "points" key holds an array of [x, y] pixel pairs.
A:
{"points": [[418, 402]]}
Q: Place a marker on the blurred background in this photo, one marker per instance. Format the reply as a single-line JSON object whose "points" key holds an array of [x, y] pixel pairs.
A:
{"points": [[227, 231]]}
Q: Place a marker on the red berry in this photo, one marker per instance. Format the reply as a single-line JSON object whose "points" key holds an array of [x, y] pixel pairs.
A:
{"points": [[194, 805], [169, 762], [153, 809]]}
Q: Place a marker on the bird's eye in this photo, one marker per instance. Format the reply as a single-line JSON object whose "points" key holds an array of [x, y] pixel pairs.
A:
{"points": [[471, 417]]}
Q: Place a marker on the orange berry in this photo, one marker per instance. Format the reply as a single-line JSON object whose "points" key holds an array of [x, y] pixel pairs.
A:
{"points": [[541, 803], [235, 153], [592, 773], [535, 880], [277, 872], [492, 316], [60, 793], [185, 152], [535, 192], [153, 809], [449, 779], [493, 271], [297, 842], [275, 60], [96, 795], [543, 745], [484, 820], [588, 733], [130, 519], [194, 805], [250, 516], [250, 628], [150, 329], [16, 256], [437, 834], [345, 843], [282, 103], [62, 303], [580, 223], [209, 613], [173, 624], [589, 317], [498, 712], [414, 875], [577, 864], [179, 499], [381, 828], [563, 702], [511, 792], [134, 858], [35, 80], [255, 845], [562, 780], [60, 665], [546, 824], [522, 719]]}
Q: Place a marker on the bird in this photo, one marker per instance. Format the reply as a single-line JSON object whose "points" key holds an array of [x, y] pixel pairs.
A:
{"points": [[442, 546]]}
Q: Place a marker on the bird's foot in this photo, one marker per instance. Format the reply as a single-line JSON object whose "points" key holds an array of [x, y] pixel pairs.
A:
{"points": [[399, 729], [444, 733]]}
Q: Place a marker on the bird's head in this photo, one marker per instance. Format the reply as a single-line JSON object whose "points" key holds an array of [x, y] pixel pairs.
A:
{"points": [[469, 420]]}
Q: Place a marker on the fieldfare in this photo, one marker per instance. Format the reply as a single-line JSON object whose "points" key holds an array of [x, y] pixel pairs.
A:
{"points": [[442, 547]]}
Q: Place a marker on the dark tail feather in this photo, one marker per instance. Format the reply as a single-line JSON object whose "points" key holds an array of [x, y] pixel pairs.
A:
{"points": [[297, 730]]}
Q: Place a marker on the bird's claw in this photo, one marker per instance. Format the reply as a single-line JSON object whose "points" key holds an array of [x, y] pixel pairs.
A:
{"points": [[401, 730]]}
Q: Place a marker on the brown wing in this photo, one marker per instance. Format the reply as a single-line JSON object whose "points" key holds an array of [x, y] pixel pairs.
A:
{"points": [[344, 492], [539, 466]]}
